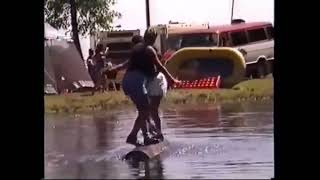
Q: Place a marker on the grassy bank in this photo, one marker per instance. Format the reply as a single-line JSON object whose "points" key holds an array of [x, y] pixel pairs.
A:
{"points": [[255, 90]]}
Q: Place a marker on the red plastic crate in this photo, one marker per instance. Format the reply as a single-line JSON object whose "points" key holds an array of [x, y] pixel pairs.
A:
{"points": [[206, 83]]}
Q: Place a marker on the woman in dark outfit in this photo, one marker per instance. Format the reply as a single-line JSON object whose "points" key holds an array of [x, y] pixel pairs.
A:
{"points": [[143, 66], [154, 98]]}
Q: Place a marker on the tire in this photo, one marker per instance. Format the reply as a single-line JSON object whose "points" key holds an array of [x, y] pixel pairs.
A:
{"points": [[271, 68], [248, 74], [255, 74], [262, 69]]}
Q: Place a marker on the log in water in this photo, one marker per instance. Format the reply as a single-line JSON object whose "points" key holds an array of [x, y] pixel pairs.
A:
{"points": [[143, 153]]}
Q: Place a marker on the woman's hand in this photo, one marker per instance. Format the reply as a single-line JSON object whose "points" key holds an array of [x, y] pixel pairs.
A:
{"points": [[173, 82], [176, 81], [111, 69]]}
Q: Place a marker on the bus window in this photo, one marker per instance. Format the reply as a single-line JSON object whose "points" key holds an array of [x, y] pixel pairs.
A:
{"points": [[173, 42], [239, 38], [199, 40], [224, 40], [257, 35], [270, 32]]}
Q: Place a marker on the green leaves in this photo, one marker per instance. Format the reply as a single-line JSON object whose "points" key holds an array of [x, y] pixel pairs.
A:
{"points": [[92, 15]]}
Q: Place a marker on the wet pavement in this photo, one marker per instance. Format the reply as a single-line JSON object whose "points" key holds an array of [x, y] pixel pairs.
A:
{"points": [[227, 142]]}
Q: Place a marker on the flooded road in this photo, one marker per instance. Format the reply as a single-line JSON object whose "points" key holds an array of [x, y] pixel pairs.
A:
{"points": [[217, 142]]}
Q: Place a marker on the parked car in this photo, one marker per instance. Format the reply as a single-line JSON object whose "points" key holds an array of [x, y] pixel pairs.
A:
{"points": [[254, 40]]}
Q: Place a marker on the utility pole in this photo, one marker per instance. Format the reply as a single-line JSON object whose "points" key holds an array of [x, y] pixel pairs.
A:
{"points": [[148, 13], [232, 10]]}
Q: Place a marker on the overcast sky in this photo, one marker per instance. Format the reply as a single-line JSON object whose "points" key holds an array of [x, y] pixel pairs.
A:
{"points": [[202, 11], [213, 11]]}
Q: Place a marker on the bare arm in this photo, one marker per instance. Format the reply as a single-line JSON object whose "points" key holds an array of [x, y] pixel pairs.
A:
{"points": [[120, 66], [152, 53]]}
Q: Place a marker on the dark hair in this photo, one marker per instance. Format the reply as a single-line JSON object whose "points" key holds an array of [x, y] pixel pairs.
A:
{"points": [[150, 35], [99, 47], [137, 39]]}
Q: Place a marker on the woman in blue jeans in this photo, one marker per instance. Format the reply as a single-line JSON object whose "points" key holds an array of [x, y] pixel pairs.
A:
{"points": [[143, 67]]}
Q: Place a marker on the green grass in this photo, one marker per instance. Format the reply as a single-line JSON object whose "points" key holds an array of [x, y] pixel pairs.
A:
{"points": [[255, 90]]}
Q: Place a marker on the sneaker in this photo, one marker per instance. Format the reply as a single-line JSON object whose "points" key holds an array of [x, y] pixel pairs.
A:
{"points": [[133, 141], [152, 129]]}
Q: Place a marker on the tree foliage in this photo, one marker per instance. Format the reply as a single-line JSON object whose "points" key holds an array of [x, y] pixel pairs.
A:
{"points": [[92, 15]]}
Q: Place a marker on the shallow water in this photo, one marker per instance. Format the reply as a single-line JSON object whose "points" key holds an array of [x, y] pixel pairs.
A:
{"points": [[226, 142]]}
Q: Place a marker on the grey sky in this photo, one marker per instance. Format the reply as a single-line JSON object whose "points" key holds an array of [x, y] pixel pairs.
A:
{"points": [[202, 11], [213, 11]]}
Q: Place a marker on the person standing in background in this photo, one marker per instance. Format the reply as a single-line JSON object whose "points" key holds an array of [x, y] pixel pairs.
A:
{"points": [[111, 76], [90, 65], [98, 60]]}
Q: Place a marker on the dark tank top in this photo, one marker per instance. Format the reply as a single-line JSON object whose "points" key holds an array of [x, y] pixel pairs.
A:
{"points": [[141, 61]]}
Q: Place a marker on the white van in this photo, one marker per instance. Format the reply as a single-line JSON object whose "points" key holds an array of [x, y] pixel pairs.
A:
{"points": [[254, 40]]}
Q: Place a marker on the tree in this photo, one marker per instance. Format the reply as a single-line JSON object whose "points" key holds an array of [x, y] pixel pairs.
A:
{"points": [[83, 16]]}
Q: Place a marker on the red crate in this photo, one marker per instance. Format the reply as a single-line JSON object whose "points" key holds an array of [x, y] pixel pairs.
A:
{"points": [[206, 83]]}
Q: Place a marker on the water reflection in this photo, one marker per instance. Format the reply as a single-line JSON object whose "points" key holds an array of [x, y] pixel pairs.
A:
{"points": [[196, 118], [104, 128], [212, 142], [150, 169], [233, 108], [80, 147]]}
